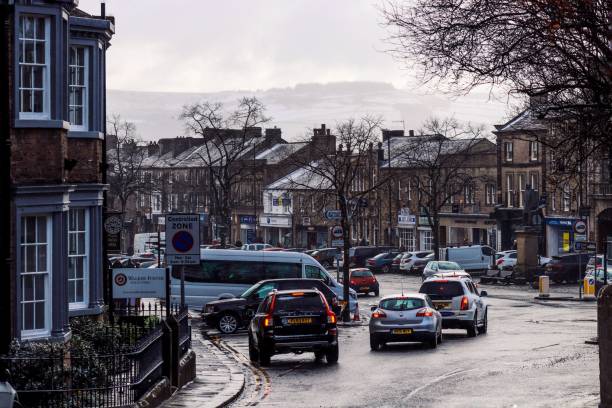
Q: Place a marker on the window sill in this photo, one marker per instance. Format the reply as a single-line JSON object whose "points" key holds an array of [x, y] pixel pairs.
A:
{"points": [[86, 311], [82, 134], [41, 124], [35, 335]]}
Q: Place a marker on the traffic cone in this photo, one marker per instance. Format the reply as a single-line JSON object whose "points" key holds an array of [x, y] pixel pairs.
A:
{"points": [[356, 315]]}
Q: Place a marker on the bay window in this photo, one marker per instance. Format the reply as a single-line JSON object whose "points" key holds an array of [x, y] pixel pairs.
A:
{"points": [[78, 258], [78, 88], [35, 267], [33, 35]]}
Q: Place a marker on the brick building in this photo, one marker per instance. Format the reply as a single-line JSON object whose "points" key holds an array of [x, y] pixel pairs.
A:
{"points": [[52, 99]]}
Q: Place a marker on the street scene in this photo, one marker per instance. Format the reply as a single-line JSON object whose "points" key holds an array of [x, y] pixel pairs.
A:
{"points": [[347, 203]]}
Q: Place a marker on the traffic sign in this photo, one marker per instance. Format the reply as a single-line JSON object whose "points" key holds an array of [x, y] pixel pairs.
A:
{"points": [[585, 246], [580, 227], [333, 214], [337, 243], [182, 239], [337, 231]]}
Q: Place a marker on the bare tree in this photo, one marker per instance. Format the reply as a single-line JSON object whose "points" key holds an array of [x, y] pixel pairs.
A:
{"points": [[125, 157], [229, 137], [559, 51], [438, 166], [345, 176]]}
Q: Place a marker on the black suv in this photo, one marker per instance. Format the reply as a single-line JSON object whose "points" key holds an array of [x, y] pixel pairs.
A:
{"points": [[358, 255], [566, 267], [228, 315], [293, 321], [326, 256]]}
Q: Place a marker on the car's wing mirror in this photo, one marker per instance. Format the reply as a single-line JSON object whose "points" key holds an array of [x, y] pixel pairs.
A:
{"points": [[373, 307], [483, 293]]}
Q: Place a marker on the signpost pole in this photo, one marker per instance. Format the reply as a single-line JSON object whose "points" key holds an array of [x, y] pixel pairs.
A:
{"points": [[111, 301], [167, 292], [182, 286]]}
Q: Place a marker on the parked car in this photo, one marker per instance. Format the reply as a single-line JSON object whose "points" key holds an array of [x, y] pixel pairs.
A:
{"points": [[505, 260], [358, 255], [409, 258], [381, 263], [470, 257], [567, 267], [395, 263], [362, 280], [405, 318], [435, 267], [326, 256], [293, 321], [596, 262], [228, 315], [459, 302], [419, 264]]}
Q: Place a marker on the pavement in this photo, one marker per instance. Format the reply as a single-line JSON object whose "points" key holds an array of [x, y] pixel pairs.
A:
{"points": [[534, 355], [220, 377]]}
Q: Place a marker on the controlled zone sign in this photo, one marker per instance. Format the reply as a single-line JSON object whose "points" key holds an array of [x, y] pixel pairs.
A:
{"points": [[139, 283], [182, 239]]}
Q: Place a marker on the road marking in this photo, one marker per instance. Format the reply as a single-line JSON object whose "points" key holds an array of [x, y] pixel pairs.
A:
{"points": [[436, 380]]}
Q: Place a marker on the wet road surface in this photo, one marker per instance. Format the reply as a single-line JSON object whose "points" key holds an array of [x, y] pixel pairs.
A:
{"points": [[534, 355]]}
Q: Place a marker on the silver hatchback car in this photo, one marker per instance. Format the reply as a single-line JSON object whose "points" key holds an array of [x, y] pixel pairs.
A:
{"points": [[405, 318]]}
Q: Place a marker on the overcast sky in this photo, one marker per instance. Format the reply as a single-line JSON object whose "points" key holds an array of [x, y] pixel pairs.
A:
{"points": [[209, 45]]}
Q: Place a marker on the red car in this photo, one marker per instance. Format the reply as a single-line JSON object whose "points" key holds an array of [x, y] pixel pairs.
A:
{"points": [[362, 280]]}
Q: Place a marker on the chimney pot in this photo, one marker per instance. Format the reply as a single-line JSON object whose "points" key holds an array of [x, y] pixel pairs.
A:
{"points": [[411, 133]]}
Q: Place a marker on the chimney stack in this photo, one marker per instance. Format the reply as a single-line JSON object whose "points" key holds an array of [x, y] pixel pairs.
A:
{"points": [[387, 134], [411, 133]]}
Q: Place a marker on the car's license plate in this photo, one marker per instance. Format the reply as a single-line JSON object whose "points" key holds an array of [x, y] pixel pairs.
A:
{"points": [[364, 288], [402, 331], [442, 305], [300, 320]]}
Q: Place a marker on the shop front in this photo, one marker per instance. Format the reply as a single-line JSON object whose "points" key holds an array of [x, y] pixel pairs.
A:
{"points": [[276, 229], [560, 235], [248, 227]]}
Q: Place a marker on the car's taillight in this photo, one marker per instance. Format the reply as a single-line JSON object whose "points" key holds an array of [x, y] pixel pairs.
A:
{"points": [[426, 312], [396, 261], [269, 320], [465, 303], [379, 314], [331, 316], [353, 282]]}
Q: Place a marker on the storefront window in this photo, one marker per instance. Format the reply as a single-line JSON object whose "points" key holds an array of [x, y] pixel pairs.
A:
{"points": [[406, 238]]}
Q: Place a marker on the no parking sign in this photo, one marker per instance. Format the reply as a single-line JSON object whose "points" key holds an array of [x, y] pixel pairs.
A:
{"points": [[182, 239]]}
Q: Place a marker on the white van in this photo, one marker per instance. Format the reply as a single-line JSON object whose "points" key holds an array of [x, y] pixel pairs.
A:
{"points": [[226, 273], [470, 257], [147, 242]]}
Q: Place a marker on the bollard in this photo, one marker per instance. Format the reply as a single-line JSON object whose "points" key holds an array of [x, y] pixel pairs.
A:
{"points": [[589, 288], [544, 286]]}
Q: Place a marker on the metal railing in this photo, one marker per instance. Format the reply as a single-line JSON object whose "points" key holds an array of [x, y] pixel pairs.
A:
{"points": [[602, 189], [119, 363]]}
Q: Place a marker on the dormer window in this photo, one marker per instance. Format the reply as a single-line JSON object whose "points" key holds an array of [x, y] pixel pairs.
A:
{"points": [[78, 87], [33, 67]]}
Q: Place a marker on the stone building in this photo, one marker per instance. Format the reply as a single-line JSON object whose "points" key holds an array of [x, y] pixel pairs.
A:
{"points": [[52, 110]]}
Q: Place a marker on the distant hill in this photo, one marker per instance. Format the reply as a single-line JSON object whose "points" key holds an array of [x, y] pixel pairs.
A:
{"points": [[297, 109]]}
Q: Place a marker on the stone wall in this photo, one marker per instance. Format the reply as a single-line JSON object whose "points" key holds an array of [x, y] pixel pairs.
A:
{"points": [[37, 156], [88, 156]]}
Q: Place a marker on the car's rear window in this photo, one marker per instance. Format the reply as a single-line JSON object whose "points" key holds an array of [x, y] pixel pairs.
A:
{"points": [[442, 290], [303, 303], [397, 304], [361, 274], [448, 266]]}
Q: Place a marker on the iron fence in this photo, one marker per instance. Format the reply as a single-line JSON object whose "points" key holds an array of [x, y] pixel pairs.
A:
{"points": [[117, 366]]}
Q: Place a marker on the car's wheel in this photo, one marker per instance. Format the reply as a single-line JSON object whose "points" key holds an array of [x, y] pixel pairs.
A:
{"points": [[319, 354], [484, 326], [433, 342], [472, 328], [558, 281], [253, 354], [377, 292], [440, 336], [386, 269], [326, 265], [264, 358], [228, 323], [374, 344], [332, 354]]}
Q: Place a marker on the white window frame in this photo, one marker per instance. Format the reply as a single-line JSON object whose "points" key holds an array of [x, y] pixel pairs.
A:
{"points": [[86, 257], [490, 193], [46, 331], [85, 87], [534, 181], [567, 198], [533, 150], [407, 238], [156, 203], [46, 88], [510, 190], [521, 188], [553, 201], [508, 151], [426, 240]]}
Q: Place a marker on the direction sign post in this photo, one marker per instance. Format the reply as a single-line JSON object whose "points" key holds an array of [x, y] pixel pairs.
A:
{"points": [[333, 215], [182, 244]]}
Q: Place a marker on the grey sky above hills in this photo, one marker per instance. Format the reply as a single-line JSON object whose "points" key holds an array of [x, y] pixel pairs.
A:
{"points": [[298, 109]]}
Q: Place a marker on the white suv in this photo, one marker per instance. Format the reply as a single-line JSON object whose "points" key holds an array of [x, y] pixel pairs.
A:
{"points": [[459, 302], [410, 257]]}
